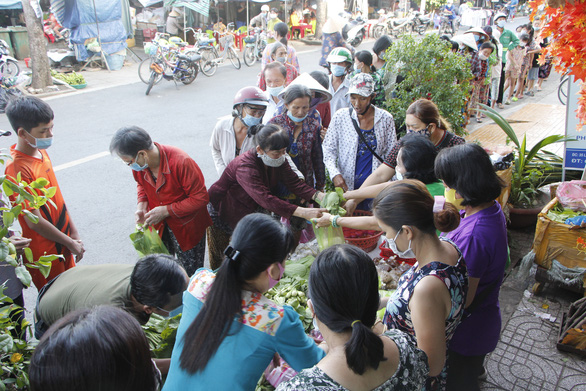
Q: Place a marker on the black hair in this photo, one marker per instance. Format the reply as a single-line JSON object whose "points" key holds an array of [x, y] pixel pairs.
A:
{"points": [[467, 168], [269, 137], [381, 45], [261, 241], [487, 45], [446, 38], [277, 65], [455, 45], [408, 202], [418, 156], [343, 287], [296, 91], [97, 349], [127, 141], [321, 78], [155, 279], [364, 56], [28, 112], [524, 37], [282, 29]]}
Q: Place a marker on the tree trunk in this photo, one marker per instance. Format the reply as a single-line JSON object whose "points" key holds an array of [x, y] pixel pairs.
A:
{"points": [[38, 45], [321, 13]]}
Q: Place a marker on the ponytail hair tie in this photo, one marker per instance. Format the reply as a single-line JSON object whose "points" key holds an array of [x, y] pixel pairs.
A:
{"points": [[438, 204], [356, 321], [231, 253]]}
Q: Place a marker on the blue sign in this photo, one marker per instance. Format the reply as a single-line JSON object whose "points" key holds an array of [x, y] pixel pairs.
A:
{"points": [[575, 158]]}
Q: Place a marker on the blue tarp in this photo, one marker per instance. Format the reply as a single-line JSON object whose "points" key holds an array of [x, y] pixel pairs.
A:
{"points": [[80, 17], [10, 5]]}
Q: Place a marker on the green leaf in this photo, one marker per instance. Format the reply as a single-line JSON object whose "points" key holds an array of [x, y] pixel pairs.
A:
{"points": [[48, 259], [16, 210], [11, 261], [39, 183], [8, 218], [28, 253], [4, 251], [6, 187], [501, 122], [6, 343], [23, 275], [50, 192], [31, 216]]}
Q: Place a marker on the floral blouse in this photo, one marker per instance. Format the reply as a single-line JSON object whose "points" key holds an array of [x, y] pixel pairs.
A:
{"points": [[306, 150], [410, 375], [329, 42]]}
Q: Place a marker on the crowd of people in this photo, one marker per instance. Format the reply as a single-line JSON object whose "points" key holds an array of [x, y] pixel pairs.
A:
{"points": [[286, 142]]}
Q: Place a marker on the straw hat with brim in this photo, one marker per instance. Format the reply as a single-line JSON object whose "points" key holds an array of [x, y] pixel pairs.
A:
{"points": [[306, 80], [477, 30], [361, 84], [174, 14], [467, 40], [333, 25]]}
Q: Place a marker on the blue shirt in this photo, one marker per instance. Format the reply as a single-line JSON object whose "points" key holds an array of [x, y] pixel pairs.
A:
{"points": [[364, 157], [263, 330]]}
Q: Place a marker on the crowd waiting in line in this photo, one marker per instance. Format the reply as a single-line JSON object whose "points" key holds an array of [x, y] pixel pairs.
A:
{"points": [[431, 193]]}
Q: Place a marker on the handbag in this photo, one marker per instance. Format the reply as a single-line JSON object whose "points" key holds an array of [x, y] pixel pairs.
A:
{"points": [[362, 138]]}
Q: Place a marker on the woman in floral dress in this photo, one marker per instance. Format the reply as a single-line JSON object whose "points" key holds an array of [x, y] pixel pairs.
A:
{"points": [[429, 301], [343, 286]]}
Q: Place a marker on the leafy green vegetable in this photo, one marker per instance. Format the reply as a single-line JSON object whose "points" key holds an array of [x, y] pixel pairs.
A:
{"points": [[559, 214], [146, 240], [72, 78], [332, 201], [161, 334]]}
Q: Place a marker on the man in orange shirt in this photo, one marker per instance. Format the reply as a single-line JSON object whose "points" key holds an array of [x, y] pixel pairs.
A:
{"points": [[55, 233]]}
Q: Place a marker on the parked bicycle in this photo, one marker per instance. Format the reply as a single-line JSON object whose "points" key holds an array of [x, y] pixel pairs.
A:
{"points": [[211, 58], [447, 26], [8, 65], [563, 88], [255, 45]]}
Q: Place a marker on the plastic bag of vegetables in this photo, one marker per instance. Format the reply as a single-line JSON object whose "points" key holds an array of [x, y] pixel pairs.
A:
{"points": [[328, 236], [146, 240]]}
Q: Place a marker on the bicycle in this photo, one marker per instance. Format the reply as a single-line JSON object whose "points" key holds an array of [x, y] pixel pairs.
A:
{"points": [[165, 45], [563, 89], [211, 58], [255, 46]]}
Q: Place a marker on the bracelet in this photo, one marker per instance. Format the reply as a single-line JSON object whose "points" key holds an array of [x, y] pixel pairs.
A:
{"points": [[315, 196], [335, 221]]}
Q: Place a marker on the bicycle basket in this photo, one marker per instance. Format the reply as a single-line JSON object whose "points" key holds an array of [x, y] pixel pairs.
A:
{"points": [[150, 49], [250, 39]]}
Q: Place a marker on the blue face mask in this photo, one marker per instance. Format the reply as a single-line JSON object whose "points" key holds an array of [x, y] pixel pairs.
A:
{"points": [[501, 23], [295, 119], [176, 311], [357, 69], [249, 120], [41, 143], [338, 70], [136, 167], [281, 59], [275, 91]]}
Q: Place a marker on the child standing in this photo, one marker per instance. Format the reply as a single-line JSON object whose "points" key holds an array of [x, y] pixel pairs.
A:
{"points": [[55, 233], [513, 66]]}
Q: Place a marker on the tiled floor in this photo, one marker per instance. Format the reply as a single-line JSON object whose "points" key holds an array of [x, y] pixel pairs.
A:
{"points": [[526, 357]]}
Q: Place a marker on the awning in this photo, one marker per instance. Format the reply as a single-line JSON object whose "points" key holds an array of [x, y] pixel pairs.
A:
{"points": [[10, 5], [200, 6], [148, 3]]}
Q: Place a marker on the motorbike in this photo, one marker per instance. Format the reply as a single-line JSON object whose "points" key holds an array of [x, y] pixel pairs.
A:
{"points": [[255, 45], [447, 26], [400, 26], [354, 32], [8, 65], [184, 70], [420, 23]]}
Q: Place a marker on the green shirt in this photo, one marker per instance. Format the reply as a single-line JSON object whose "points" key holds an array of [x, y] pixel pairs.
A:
{"points": [[86, 287], [509, 41]]}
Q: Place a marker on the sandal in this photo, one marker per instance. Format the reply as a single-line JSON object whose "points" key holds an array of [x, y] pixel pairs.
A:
{"points": [[501, 106], [508, 102], [479, 120], [514, 99]]}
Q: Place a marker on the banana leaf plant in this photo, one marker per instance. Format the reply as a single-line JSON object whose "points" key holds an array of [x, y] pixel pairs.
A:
{"points": [[533, 168]]}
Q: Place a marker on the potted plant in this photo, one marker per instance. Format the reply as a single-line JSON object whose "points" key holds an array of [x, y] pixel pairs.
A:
{"points": [[532, 169]]}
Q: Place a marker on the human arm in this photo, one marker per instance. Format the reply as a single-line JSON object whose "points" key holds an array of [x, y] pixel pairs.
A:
{"points": [[162, 364], [514, 40], [429, 309], [330, 148], [49, 231], [317, 159], [191, 180], [366, 192], [141, 210], [217, 149], [358, 222]]}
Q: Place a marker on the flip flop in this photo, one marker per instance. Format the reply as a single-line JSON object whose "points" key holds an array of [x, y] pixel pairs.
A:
{"points": [[514, 99], [500, 106]]}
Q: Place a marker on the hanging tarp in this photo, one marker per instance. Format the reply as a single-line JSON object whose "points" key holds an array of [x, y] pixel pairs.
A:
{"points": [[10, 5], [149, 3], [200, 6], [80, 17]]}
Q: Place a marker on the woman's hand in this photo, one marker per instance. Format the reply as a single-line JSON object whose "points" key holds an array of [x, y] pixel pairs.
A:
{"points": [[324, 220], [309, 213], [140, 213], [350, 206], [156, 215], [340, 182], [19, 243]]}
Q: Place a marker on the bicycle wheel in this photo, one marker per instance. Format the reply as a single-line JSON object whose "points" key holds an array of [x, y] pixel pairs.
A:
{"points": [[151, 82], [563, 90], [249, 56], [234, 58], [144, 71], [9, 69], [207, 64]]}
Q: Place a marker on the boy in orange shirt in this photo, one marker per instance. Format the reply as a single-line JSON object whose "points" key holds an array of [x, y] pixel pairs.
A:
{"points": [[55, 233]]}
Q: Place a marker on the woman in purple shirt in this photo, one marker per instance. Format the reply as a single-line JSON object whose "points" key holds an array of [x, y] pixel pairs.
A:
{"points": [[482, 238]]}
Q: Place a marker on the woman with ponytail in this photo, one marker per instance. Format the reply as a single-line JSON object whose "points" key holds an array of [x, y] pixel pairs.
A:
{"points": [[229, 331], [343, 292], [430, 297], [363, 64]]}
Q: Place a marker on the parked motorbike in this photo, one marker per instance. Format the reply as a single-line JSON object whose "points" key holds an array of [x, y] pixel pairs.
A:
{"points": [[447, 26], [8, 65], [420, 23], [400, 26], [354, 32], [184, 70], [255, 45]]}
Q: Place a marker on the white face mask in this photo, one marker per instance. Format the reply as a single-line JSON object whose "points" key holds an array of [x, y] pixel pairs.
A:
{"points": [[270, 162], [399, 176], [401, 254], [482, 57]]}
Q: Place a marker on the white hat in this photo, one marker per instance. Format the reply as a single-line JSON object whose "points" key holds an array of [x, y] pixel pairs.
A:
{"points": [[381, 11], [306, 80], [477, 30], [265, 8], [466, 40], [333, 24]]}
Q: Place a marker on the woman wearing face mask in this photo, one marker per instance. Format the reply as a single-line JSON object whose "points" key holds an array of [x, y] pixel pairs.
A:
{"points": [[363, 64], [343, 287], [229, 331], [422, 117], [415, 161], [482, 237], [279, 54], [356, 137], [248, 185], [172, 196], [429, 300]]}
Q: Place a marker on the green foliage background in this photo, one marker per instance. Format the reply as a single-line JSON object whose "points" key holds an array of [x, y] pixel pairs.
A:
{"points": [[433, 72]]}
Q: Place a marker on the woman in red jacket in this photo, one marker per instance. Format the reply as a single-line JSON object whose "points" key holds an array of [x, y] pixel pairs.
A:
{"points": [[172, 195]]}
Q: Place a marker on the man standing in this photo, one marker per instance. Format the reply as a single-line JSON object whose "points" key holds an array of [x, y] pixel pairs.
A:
{"points": [[509, 41]]}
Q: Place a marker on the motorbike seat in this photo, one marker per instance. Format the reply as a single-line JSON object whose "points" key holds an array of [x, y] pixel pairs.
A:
{"points": [[191, 58], [206, 42], [398, 22]]}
